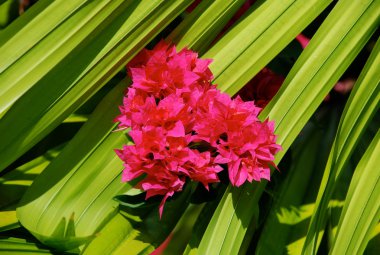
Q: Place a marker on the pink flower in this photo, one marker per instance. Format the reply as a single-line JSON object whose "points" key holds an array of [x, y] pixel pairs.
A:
{"points": [[184, 128], [248, 152], [163, 183], [201, 167], [245, 144], [163, 71], [218, 114]]}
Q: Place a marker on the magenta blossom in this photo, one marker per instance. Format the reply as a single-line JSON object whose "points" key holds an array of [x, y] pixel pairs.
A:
{"points": [[173, 110]]}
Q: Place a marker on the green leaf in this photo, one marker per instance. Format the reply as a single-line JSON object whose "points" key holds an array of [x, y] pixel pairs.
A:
{"points": [[361, 106], [334, 46], [8, 12], [8, 220], [88, 67], [300, 186], [202, 222], [361, 211], [19, 246], [112, 234], [139, 237], [258, 38], [373, 244], [14, 183], [82, 180], [43, 56], [329, 53], [203, 24], [23, 39], [182, 232]]}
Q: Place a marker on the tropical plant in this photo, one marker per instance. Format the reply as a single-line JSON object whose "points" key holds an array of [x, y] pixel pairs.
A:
{"points": [[62, 78]]}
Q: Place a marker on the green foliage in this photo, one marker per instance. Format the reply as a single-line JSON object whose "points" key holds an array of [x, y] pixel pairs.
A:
{"points": [[113, 38], [59, 54], [362, 207], [362, 105]]}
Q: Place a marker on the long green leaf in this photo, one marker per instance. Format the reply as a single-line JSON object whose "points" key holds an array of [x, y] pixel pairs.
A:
{"points": [[86, 69], [329, 53], [49, 51], [18, 246], [62, 189], [8, 220], [204, 23], [259, 36], [14, 183], [113, 234], [139, 236], [308, 159], [182, 232], [373, 244], [16, 40], [361, 211], [8, 12], [361, 106]]}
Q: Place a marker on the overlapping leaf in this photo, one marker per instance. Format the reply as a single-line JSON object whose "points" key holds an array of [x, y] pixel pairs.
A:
{"points": [[84, 180], [291, 200], [362, 105], [361, 212], [19, 246], [203, 24], [64, 192], [329, 53], [82, 72]]}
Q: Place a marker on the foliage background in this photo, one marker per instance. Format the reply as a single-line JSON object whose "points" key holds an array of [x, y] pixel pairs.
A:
{"points": [[62, 78]]}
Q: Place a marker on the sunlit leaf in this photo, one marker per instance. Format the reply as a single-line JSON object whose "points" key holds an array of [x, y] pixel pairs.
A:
{"points": [[323, 62], [124, 30], [361, 211], [19, 246], [361, 107]]}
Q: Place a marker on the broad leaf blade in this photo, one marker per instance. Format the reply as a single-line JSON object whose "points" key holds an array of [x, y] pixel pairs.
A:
{"points": [[63, 189], [16, 40], [14, 183]]}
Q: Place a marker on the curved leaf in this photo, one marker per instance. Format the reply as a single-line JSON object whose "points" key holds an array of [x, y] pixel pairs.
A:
{"points": [[62, 189], [86, 69], [329, 53], [290, 207], [361, 106], [361, 211], [46, 53], [257, 38]]}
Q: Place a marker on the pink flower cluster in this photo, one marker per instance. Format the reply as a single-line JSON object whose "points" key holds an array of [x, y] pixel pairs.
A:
{"points": [[184, 128]]}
